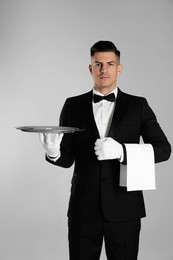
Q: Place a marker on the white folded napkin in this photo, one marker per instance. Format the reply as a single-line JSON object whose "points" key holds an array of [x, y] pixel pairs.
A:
{"points": [[139, 173]]}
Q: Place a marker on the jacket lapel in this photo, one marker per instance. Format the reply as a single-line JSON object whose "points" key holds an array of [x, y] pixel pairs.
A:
{"points": [[90, 124], [119, 111], [89, 121]]}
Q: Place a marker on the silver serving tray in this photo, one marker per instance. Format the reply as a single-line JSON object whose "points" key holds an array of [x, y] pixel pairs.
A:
{"points": [[48, 129]]}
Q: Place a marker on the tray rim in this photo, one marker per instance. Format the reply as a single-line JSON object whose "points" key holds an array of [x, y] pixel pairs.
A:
{"points": [[48, 129]]}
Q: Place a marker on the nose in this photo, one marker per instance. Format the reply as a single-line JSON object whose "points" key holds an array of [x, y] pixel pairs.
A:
{"points": [[103, 69]]}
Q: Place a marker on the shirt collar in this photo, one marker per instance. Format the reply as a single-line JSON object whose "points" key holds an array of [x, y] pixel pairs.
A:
{"points": [[115, 91]]}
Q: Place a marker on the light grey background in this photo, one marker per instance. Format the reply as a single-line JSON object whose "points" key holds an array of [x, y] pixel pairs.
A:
{"points": [[44, 57]]}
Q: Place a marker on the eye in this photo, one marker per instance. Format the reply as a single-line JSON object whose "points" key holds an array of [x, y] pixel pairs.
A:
{"points": [[97, 64]]}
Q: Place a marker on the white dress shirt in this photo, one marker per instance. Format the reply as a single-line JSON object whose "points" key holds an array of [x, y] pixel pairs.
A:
{"points": [[103, 113]]}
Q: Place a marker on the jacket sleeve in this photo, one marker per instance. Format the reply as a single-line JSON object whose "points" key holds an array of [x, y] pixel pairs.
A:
{"points": [[152, 133]]}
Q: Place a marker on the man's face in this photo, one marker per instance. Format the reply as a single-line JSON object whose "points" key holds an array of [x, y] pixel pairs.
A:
{"points": [[104, 69]]}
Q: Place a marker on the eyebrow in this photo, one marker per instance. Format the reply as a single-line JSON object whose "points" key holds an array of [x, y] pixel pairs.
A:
{"points": [[107, 62]]}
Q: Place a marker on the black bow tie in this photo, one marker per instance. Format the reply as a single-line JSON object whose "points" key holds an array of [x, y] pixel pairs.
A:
{"points": [[110, 97]]}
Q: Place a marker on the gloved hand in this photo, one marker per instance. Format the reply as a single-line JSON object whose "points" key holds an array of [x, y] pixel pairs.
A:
{"points": [[108, 149], [51, 143]]}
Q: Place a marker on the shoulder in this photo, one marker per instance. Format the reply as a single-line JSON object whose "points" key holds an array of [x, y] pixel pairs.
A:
{"points": [[81, 96], [137, 103], [130, 97], [79, 99]]}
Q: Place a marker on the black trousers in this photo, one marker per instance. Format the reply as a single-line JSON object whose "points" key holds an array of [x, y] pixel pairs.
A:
{"points": [[86, 239]]}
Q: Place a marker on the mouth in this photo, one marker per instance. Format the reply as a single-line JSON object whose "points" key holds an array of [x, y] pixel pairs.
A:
{"points": [[104, 77]]}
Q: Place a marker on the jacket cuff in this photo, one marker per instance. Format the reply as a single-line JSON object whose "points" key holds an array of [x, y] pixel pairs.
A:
{"points": [[125, 154]]}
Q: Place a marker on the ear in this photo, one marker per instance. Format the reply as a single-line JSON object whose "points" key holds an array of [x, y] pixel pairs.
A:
{"points": [[90, 69], [119, 69]]}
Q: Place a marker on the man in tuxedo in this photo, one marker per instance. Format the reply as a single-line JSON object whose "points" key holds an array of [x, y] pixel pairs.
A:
{"points": [[99, 208]]}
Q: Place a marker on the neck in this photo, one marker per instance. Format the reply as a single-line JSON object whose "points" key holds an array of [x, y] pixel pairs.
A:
{"points": [[104, 91]]}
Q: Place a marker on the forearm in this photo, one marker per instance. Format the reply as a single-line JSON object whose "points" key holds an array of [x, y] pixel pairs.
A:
{"points": [[65, 159], [162, 151]]}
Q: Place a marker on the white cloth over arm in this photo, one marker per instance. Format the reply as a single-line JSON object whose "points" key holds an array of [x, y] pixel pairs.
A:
{"points": [[139, 173]]}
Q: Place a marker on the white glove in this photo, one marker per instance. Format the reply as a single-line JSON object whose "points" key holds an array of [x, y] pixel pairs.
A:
{"points": [[108, 149], [51, 143]]}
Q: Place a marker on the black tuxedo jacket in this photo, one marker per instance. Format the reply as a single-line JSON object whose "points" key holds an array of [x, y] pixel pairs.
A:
{"points": [[95, 184]]}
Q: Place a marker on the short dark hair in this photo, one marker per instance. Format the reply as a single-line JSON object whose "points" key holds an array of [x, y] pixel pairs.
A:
{"points": [[104, 46]]}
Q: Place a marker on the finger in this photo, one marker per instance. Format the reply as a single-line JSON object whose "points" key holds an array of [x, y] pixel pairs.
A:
{"points": [[101, 141], [54, 137], [100, 158], [97, 153], [47, 138], [98, 141], [41, 137], [98, 147], [58, 137]]}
